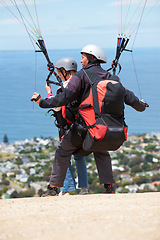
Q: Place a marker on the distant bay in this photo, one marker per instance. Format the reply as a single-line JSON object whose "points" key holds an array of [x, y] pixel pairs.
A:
{"points": [[21, 119]]}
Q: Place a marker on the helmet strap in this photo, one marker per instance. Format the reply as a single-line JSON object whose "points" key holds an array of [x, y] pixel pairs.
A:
{"points": [[91, 58], [64, 75]]}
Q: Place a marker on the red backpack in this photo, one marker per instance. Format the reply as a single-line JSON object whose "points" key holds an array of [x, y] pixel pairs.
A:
{"points": [[102, 112]]}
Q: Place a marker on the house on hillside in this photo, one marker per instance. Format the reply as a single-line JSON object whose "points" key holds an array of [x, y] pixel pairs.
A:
{"points": [[155, 183], [22, 177], [148, 186], [132, 188]]}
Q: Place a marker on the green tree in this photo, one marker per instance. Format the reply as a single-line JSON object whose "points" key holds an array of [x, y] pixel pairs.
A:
{"points": [[4, 175], [5, 182], [28, 193], [123, 160], [1, 192], [124, 183], [31, 178], [146, 167], [18, 161], [14, 194], [155, 166], [5, 138], [46, 175], [135, 169], [135, 161], [5, 189], [148, 158], [155, 178], [127, 143], [150, 148], [124, 190], [158, 188], [141, 180]]}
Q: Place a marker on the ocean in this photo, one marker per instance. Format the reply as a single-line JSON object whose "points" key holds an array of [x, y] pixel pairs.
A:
{"points": [[23, 72]]}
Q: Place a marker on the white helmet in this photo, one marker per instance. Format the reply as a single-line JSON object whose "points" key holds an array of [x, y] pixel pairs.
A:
{"points": [[95, 51], [67, 63]]}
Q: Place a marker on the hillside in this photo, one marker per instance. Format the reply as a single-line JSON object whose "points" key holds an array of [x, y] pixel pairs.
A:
{"points": [[89, 217], [25, 166]]}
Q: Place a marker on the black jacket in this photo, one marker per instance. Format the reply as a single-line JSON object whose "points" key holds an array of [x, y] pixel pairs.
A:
{"points": [[78, 89]]}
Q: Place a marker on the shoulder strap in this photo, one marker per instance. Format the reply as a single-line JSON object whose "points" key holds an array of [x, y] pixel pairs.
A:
{"points": [[94, 79]]}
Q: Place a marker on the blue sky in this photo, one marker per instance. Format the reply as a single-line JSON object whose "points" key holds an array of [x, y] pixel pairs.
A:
{"points": [[67, 24]]}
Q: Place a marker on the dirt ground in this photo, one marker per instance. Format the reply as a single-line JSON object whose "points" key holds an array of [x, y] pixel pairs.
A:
{"points": [[89, 217]]}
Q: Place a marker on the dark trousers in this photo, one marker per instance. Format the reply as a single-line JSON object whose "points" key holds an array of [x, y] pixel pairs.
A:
{"points": [[62, 159]]}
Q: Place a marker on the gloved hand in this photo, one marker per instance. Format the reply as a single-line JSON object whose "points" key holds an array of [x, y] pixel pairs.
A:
{"points": [[146, 104]]}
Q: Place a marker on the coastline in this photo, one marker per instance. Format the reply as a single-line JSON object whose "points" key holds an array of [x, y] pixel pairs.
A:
{"points": [[21, 141]]}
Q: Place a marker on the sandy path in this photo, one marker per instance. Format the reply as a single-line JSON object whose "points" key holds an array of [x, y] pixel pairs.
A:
{"points": [[89, 217]]}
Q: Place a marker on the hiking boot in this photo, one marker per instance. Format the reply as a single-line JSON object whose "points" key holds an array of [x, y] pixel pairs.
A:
{"points": [[108, 188], [50, 192], [84, 191]]}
